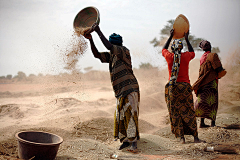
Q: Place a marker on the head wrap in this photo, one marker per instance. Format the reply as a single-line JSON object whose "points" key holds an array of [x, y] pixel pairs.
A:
{"points": [[177, 45], [115, 39], [205, 45], [176, 48]]}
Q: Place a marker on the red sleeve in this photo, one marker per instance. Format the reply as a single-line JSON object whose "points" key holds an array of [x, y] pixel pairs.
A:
{"points": [[164, 52], [190, 55], [168, 55]]}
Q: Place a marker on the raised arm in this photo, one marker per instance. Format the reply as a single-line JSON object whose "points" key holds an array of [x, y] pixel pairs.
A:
{"points": [[93, 47], [190, 48], [106, 43], [169, 40]]}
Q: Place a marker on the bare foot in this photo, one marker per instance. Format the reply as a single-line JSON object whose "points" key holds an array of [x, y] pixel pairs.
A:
{"points": [[133, 148], [197, 140], [182, 140]]}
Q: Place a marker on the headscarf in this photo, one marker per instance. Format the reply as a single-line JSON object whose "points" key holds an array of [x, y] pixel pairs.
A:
{"points": [[115, 39], [176, 48], [176, 45], [205, 45]]}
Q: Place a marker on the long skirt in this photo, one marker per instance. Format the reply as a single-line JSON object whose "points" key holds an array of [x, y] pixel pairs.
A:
{"points": [[179, 101], [126, 118], [206, 105]]}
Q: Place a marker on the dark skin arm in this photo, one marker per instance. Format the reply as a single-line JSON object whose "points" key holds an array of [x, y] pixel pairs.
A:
{"points": [[104, 40], [169, 40], [93, 47], [190, 48]]}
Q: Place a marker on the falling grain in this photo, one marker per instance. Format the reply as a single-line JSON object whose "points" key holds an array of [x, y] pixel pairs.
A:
{"points": [[76, 49]]}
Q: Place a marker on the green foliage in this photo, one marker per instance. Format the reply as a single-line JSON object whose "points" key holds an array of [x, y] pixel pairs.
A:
{"points": [[166, 30], [21, 76], [215, 50], [146, 66], [9, 76], [40, 75], [32, 75]]}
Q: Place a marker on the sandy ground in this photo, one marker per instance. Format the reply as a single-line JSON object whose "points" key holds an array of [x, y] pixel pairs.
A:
{"points": [[80, 110]]}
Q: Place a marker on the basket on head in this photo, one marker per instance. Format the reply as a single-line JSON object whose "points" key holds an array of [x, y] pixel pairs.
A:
{"points": [[86, 18], [180, 26]]}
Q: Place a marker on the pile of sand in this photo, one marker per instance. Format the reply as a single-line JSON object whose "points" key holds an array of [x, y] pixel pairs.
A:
{"points": [[11, 110], [82, 113], [98, 128]]}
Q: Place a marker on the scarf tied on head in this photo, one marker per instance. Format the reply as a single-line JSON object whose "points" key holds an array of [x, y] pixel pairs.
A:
{"points": [[115, 39], [205, 45]]}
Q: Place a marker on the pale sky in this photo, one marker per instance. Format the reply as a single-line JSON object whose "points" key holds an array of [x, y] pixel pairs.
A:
{"points": [[34, 32]]}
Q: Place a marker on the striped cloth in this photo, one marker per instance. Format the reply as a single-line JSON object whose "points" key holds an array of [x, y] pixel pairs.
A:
{"points": [[120, 66]]}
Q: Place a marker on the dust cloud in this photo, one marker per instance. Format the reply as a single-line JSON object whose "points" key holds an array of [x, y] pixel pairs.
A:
{"points": [[80, 109]]}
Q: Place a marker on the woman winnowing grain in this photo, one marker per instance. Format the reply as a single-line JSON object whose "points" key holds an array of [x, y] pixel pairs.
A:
{"points": [[206, 87], [178, 91], [125, 86]]}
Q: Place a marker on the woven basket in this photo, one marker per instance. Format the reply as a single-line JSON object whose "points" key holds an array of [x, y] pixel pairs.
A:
{"points": [[87, 17], [180, 26]]}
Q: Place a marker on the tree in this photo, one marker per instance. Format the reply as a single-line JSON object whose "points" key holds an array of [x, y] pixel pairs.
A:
{"points": [[146, 66], [9, 76], [2, 77], [165, 33], [21, 76]]}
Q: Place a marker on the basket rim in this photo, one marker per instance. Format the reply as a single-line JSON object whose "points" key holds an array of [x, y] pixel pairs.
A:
{"points": [[98, 15]]}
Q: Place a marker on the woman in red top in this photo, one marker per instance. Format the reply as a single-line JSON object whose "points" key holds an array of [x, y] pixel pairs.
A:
{"points": [[178, 91]]}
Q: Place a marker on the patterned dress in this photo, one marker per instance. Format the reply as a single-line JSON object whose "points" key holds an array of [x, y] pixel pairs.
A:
{"points": [[126, 118], [179, 97], [206, 105], [126, 89], [206, 86], [179, 101]]}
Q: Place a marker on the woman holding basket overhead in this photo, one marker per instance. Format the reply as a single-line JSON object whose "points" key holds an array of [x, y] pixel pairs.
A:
{"points": [[125, 86], [178, 91]]}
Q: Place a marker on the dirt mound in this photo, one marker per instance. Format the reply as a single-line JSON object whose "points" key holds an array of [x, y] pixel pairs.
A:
{"points": [[145, 127], [8, 148], [11, 110], [219, 134], [98, 128], [67, 102], [151, 104], [102, 129]]}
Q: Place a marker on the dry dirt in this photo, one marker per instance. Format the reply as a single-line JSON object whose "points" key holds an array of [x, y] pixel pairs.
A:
{"points": [[80, 110]]}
